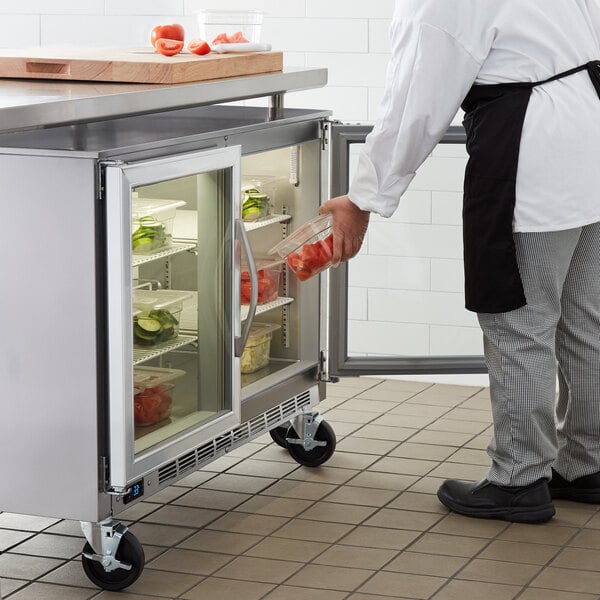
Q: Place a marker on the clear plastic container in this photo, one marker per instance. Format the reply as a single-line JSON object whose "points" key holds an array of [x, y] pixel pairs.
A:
{"points": [[158, 317], [309, 249], [269, 272], [152, 224], [213, 23], [256, 203], [258, 347], [153, 394]]}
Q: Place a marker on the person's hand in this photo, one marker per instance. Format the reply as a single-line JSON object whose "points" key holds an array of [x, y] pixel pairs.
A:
{"points": [[350, 225]]}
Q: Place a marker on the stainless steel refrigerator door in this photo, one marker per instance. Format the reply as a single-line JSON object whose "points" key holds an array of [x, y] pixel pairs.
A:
{"points": [[341, 361], [215, 397]]}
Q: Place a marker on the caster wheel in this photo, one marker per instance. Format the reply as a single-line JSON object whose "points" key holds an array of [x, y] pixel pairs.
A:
{"points": [[279, 434], [319, 454], [129, 551]]}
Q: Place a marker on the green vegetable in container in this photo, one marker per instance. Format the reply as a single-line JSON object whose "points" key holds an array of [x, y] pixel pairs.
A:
{"points": [[154, 327], [150, 235], [255, 204]]}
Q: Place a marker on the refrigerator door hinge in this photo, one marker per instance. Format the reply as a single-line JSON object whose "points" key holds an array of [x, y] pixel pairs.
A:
{"points": [[101, 176], [323, 374]]}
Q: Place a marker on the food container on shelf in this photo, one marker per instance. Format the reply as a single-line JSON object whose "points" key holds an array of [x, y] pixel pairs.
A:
{"points": [[309, 249], [152, 223], [258, 347], [256, 204], [269, 272], [158, 317], [233, 23], [153, 394]]}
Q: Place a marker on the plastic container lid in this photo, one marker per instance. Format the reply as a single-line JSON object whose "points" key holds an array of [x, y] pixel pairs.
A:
{"points": [[258, 331], [147, 207], [159, 299], [319, 226], [147, 377], [230, 17]]}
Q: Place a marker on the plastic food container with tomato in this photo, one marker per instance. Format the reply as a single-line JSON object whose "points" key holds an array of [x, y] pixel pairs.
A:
{"points": [[258, 347], [152, 224], [153, 394], [269, 272], [235, 25], [309, 249], [156, 315]]}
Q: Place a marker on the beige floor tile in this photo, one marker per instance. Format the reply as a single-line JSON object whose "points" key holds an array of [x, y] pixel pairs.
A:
{"points": [[365, 446], [588, 538], [183, 516], [519, 532], [521, 552], [71, 574], [405, 466], [440, 438], [454, 524], [332, 402], [340, 414], [594, 522], [329, 578], [380, 393], [343, 428], [409, 585], [160, 535], [123, 595], [238, 522], [22, 566], [71, 528], [418, 502], [360, 383], [470, 414], [477, 402], [165, 495], [214, 588], [332, 512], [49, 591], [195, 562], [457, 426], [406, 385], [194, 479], [479, 442], [568, 514], [288, 592], [25, 522], [410, 421], [417, 409], [448, 545], [450, 470], [220, 541], [349, 494], [435, 399], [378, 537], [423, 451], [350, 460], [460, 590], [578, 558], [274, 453], [384, 481], [214, 499], [8, 586], [263, 468], [426, 564], [270, 505], [427, 485], [494, 571], [11, 537], [359, 596], [238, 483], [325, 474], [281, 548], [221, 464], [249, 449], [304, 490], [368, 405], [350, 556], [470, 456], [263, 570], [543, 594], [390, 518], [569, 580], [162, 583], [380, 432], [133, 513], [317, 531]]}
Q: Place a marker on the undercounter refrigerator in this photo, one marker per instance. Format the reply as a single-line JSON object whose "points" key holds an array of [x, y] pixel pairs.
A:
{"points": [[146, 328]]}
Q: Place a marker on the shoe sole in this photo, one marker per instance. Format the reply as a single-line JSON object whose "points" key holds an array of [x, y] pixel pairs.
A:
{"points": [[591, 496], [517, 514]]}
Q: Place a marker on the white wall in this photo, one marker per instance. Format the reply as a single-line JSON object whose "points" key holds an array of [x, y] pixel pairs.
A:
{"points": [[406, 286]]}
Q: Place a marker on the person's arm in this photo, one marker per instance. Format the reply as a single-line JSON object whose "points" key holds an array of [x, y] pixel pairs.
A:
{"points": [[428, 76]]}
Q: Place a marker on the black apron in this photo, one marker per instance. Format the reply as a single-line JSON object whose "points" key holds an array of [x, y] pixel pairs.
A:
{"points": [[494, 116]]}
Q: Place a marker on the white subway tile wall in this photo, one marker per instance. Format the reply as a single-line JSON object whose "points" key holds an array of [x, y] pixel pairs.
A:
{"points": [[405, 291]]}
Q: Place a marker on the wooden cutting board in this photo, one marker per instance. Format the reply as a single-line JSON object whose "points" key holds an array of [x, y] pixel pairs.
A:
{"points": [[132, 65]]}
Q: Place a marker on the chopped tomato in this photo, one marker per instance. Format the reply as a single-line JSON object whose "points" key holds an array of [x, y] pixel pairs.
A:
{"points": [[199, 47], [312, 258], [168, 47], [151, 405], [237, 37], [222, 38], [268, 286]]}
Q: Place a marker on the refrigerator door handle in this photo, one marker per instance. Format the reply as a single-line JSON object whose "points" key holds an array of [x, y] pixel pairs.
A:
{"points": [[240, 342]]}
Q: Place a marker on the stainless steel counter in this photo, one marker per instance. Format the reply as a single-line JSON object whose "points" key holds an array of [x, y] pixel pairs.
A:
{"points": [[27, 104]]}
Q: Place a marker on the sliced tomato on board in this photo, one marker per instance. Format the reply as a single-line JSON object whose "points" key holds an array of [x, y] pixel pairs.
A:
{"points": [[198, 46], [237, 37], [222, 38], [168, 47], [174, 31]]}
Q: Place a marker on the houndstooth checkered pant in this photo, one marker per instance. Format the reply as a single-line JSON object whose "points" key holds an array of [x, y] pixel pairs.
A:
{"points": [[559, 328]]}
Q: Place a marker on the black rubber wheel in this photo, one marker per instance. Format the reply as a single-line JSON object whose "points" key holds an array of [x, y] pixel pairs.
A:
{"points": [[319, 454], [129, 551], [278, 435]]}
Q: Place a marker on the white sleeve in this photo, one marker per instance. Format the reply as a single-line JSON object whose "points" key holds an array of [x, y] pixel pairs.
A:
{"points": [[428, 77]]}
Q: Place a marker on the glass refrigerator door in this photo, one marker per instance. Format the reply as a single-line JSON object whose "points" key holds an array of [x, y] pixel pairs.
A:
{"points": [[174, 328]]}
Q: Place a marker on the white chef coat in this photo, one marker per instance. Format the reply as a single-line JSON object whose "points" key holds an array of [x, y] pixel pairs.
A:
{"points": [[440, 48]]}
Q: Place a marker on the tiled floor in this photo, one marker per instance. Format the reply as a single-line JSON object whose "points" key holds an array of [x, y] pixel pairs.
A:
{"points": [[255, 525]]}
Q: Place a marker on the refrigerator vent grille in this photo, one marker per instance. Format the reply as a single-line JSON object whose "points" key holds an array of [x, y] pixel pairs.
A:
{"points": [[235, 437]]}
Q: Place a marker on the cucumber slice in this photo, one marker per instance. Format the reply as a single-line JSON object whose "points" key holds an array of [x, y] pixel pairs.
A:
{"points": [[151, 326]]}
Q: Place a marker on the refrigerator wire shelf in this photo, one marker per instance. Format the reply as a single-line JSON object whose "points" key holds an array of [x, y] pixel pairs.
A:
{"points": [[271, 220], [262, 308], [141, 355], [175, 248]]}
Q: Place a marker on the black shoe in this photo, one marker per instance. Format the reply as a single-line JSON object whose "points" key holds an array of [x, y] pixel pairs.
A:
{"points": [[583, 489], [485, 500]]}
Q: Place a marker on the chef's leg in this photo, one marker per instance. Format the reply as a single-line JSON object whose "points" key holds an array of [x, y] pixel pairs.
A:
{"points": [[519, 350], [578, 353]]}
